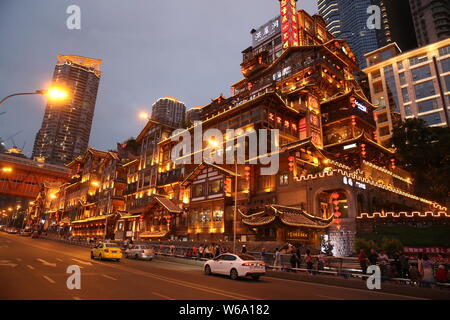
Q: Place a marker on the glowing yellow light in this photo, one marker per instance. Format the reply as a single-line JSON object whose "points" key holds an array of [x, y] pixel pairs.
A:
{"points": [[268, 189], [95, 184], [53, 196], [143, 115], [213, 143], [56, 94], [7, 169]]}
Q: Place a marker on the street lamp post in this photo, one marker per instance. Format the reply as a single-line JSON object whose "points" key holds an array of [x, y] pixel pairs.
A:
{"points": [[52, 93], [235, 204]]}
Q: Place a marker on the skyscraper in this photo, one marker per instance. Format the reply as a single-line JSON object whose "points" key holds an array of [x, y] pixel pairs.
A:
{"points": [[66, 127], [347, 19], [170, 111], [431, 20]]}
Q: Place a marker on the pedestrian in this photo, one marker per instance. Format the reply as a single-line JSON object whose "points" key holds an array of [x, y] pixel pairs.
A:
{"points": [[404, 265], [362, 261], [321, 261], [427, 266], [277, 261], [263, 253], [293, 261], [244, 249], [384, 263], [420, 266], [373, 257], [309, 261], [200, 251], [217, 251], [441, 273], [207, 252], [414, 275], [299, 257]]}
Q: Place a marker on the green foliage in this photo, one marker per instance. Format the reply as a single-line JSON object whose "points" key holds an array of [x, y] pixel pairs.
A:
{"points": [[132, 146], [365, 244], [425, 152], [391, 245]]}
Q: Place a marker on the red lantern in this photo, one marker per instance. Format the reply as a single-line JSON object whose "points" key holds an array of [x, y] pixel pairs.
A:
{"points": [[337, 214], [291, 163], [335, 195]]}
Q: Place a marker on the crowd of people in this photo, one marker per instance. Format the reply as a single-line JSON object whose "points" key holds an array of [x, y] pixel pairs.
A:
{"points": [[425, 272]]}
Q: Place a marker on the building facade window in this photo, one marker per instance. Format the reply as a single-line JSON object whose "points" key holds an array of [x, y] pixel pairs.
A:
{"points": [[428, 105], [405, 95], [400, 65], [384, 131], [283, 179], [391, 88], [421, 73], [382, 117], [418, 59], [444, 51], [424, 89], [433, 118], [198, 190], [447, 82], [445, 64], [215, 187], [408, 111], [402, 78]]}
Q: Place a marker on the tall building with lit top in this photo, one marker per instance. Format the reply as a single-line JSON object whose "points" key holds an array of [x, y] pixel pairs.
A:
{"points": [[169, 111], [66, 126]]}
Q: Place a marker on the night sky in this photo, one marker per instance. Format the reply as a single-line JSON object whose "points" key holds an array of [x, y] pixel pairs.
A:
{"points": [[189, 49]]}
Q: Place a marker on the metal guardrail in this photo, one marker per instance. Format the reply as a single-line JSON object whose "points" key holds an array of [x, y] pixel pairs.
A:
{"points": [[183, 253]]}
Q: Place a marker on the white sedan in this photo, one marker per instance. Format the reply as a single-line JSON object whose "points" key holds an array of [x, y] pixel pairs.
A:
{"points": [[235, 265]]}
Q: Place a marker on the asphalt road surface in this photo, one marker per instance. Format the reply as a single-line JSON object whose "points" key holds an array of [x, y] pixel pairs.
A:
{"points": [[36, 269]]}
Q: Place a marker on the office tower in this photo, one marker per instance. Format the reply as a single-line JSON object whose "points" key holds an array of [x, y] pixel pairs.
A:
{"points": [[329, 9], [66, 127], [348, 19], [410, 84], [169, 111], [431, 20], [194, 114]]}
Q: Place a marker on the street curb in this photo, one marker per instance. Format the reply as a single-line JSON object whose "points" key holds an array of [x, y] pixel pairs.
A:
{"points": [[425, 293]]}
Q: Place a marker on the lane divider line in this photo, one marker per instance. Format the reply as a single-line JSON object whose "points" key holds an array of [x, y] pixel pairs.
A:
{"points": [[46, 263], [162, 296], [82, 262], [49, 279], [108, 277], [30, 267]]}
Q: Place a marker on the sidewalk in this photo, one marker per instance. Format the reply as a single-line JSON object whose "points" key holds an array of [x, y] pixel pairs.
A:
{"points": [[386, 287]]}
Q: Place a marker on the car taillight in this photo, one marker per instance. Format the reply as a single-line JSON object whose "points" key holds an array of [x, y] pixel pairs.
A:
{"points": [[142, 251], [248, 264], [106, 250], [262, 264]]}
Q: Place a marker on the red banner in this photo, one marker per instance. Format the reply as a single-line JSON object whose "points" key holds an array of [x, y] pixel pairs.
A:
{"points": [[435, 250], [289, 23]]}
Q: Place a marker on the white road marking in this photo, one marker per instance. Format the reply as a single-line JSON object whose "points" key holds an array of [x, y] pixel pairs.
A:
{"points": [[162, 296], [49, 279], [18, 259], [30, 267], [8, 264], [108, 277], [46, 263], [82, 262], [60, 260]]}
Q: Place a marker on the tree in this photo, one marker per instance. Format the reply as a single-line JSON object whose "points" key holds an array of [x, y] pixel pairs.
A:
{"points": [[425, 152]]}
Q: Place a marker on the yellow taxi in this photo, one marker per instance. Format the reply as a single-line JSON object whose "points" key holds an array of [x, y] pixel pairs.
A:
{"points": [[106, 250]]}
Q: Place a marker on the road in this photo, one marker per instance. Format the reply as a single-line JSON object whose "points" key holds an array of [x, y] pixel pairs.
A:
{"points": [[36, 269]]}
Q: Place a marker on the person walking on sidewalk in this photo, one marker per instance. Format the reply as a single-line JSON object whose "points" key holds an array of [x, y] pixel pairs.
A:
{"points": [[362, 261], [309, 261], [277, 261]]}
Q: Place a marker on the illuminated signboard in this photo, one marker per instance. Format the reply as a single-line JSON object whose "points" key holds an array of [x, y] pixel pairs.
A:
{"points": [[352, 183], [265, 32], [289, 23], [358, 104], [350, 146]]}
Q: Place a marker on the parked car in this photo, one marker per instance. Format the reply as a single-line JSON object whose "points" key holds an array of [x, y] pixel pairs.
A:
{"points": [[3, 228], [140, 252], [26, 232], [235, 265], [35, 235], [12, 230], [106, 251]]}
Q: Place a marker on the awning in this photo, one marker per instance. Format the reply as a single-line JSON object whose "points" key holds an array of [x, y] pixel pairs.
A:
{"points": [[294, 217], [153, 234], [93, 219]]}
